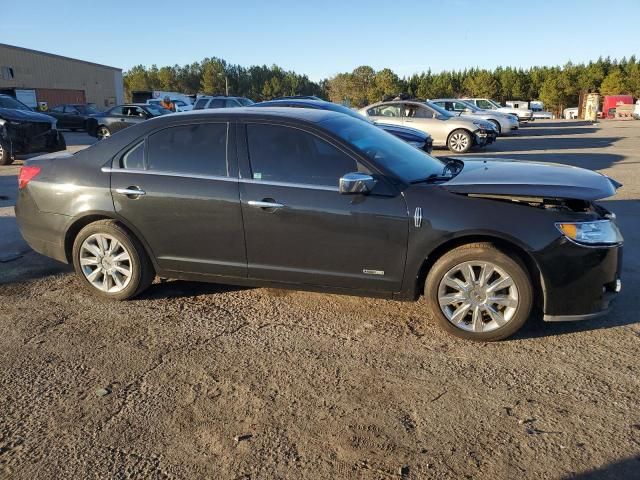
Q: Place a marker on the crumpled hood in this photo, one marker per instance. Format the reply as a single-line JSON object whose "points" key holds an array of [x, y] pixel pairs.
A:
{"points": [[513, 177], [24, 116]]}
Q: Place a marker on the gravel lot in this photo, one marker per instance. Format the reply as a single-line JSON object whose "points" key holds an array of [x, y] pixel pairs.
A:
{"points": [[207, 381]]}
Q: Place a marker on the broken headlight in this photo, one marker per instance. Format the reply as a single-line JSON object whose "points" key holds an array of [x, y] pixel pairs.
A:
{"points": [[599, 232]]}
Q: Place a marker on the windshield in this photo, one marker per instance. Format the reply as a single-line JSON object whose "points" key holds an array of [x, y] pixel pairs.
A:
{"points": [[495, 104], [470, 106], [347, 111], [395, 155], [87, 109], [245, 102], [439, 109], [8, 102], [156, 110]]}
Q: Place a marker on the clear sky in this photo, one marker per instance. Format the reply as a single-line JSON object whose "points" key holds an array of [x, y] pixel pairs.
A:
{"points": [[321, 38]]}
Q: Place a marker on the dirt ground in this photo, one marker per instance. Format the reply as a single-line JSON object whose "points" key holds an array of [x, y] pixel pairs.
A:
{"points": [[196, 381]]}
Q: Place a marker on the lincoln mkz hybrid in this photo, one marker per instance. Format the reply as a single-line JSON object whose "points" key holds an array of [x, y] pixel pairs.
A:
{"points": [[318, 200]]}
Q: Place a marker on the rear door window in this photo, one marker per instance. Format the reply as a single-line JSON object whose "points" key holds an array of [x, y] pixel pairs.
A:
{"points": [[385, 111], [216, 103], [200, 104], [289, 155], [198, 149]]}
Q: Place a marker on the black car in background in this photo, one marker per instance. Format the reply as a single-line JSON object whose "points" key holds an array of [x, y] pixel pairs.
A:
{"points": [[123, 116], [24, 131], [74, 116], [312, 199], [417, 138]]}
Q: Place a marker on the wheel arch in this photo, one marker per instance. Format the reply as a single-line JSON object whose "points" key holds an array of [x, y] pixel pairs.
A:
{"points": [[505, 245], [464, 129], [80, 222]]}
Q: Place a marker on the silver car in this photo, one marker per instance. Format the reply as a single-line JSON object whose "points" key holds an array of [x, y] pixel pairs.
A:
{"points": [[458, 134], [503, 122]]}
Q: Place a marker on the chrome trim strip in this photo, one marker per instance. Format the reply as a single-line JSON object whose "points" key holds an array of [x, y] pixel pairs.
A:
{"points": [[574, 318], [287, 184], [169, 174], [220, 178], [417, 217]]}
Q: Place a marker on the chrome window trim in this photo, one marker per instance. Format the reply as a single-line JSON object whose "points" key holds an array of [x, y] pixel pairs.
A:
{"points": [[289, 184], [217, 177], [168, 174]]}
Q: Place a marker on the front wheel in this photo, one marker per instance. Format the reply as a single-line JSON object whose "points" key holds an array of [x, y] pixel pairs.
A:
{"points": [[460, 141], [110, 261], [477, 292]]}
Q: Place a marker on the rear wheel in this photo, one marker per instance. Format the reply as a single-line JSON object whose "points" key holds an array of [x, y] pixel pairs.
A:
{"points": [[110, 261], [459, 141], [477, 292], [5, 155]]}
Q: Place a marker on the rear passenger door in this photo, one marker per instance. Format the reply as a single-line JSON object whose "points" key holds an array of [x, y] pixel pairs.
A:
{"points": [[188, 207], [300, 229]]}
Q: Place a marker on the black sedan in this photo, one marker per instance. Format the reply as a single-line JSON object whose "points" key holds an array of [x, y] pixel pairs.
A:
{"points": [[74, 116], [417, 138], [312, 199], [24, 131], [123, 116]]}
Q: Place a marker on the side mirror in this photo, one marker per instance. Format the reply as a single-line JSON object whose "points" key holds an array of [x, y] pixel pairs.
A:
{"points": [[356, 183]]}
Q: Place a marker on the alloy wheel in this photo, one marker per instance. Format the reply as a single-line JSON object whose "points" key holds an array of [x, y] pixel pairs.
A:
{"points": [[478, 296], [459, 142], [105, 263]]}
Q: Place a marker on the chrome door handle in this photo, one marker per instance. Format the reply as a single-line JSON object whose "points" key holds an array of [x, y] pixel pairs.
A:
{"points": [[254, 203], [130, 191]]}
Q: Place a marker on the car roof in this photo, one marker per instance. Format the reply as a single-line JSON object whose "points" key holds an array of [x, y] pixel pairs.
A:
{"points": [[311, 115], [395, 101]]}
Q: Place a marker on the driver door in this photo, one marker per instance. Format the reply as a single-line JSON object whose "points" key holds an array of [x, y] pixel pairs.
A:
{"points": [[300, 229]]}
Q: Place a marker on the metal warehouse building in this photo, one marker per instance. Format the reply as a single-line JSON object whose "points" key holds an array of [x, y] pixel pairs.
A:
{"points": [[33, 77]]}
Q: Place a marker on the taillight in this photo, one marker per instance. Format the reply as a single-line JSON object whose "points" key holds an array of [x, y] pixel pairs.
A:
{"points": [[27, 173]]}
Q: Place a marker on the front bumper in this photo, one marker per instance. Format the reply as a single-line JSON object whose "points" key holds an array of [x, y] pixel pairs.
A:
{"points": [[32, 137], [578, 282], [428, 145], [484, 137]]}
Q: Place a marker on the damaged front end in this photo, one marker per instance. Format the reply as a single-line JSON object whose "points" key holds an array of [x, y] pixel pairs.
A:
{"points": [[23, 137]]}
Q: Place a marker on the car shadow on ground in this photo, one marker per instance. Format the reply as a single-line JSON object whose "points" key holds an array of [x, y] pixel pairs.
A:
{"points": [[544, 142], [168, 289], [628, 468]]}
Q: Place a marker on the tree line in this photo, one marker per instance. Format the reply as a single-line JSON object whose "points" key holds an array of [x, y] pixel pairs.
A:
{"points": [[558, 87]]}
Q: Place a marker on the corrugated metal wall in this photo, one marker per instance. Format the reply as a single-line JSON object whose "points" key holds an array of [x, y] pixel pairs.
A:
{"points": [[101, 85]]}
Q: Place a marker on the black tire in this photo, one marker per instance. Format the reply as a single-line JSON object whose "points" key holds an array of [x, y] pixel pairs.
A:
{"points": [[480, 252], [5, 155], [142, 271], [459, 141], [496, 124]]}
